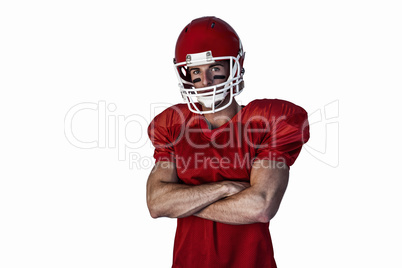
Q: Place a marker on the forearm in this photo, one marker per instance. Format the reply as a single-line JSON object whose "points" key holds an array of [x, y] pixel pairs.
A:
{"points": [[178, 200], [245, 207], [258, 203]]}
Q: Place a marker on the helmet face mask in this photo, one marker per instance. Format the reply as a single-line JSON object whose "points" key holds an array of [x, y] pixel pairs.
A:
{"points": [[206, 41], [211, 97]]}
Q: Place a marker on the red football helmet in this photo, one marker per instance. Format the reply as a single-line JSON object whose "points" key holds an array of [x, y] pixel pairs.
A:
{"points": [[204, 41]]}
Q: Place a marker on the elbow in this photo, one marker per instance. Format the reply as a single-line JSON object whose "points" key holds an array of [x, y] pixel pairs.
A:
{"points": [[266, 212], [153, 215], [268, 207], [262, 218], [153, 211], [158, 211], [265, 216]]}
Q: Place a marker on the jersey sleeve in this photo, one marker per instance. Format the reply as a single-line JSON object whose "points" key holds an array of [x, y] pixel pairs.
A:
{"points": [[288, 130], [159, 134]]}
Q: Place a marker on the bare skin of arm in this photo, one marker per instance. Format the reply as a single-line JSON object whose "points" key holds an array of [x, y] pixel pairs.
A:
{"points": [[167, 198], [257, 203]]}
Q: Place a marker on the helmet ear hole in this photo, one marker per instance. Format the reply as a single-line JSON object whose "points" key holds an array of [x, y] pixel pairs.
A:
{"points": [[184, 74]]}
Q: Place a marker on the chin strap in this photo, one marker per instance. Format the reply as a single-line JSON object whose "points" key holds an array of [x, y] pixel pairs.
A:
{"points": [[219, 104]]}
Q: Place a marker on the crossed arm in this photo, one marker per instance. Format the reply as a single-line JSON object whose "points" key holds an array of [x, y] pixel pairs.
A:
{"points": [[230, 202]]}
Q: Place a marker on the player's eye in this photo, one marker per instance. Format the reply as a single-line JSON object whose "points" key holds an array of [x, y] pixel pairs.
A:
{"points": [[195, 72], [215, 69]]}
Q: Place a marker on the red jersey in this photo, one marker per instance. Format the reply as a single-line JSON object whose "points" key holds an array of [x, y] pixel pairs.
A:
{"points": [[264, 129]]}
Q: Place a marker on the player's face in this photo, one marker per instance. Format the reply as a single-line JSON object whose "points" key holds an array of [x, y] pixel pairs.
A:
{"points": [[210, 74]]}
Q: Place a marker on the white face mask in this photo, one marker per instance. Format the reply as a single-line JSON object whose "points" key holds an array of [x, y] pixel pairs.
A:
{"points": [[213, 96], [210, 102]]}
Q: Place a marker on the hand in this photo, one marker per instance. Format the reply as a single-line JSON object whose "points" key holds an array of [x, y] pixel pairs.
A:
{"points": [[234, 187]]}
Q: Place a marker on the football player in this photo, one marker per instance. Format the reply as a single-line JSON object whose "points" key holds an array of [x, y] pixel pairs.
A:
{"points": [[221, 168]]}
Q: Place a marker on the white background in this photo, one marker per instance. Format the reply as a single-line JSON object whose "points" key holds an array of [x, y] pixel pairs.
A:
{"points": [[65, 206]]}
